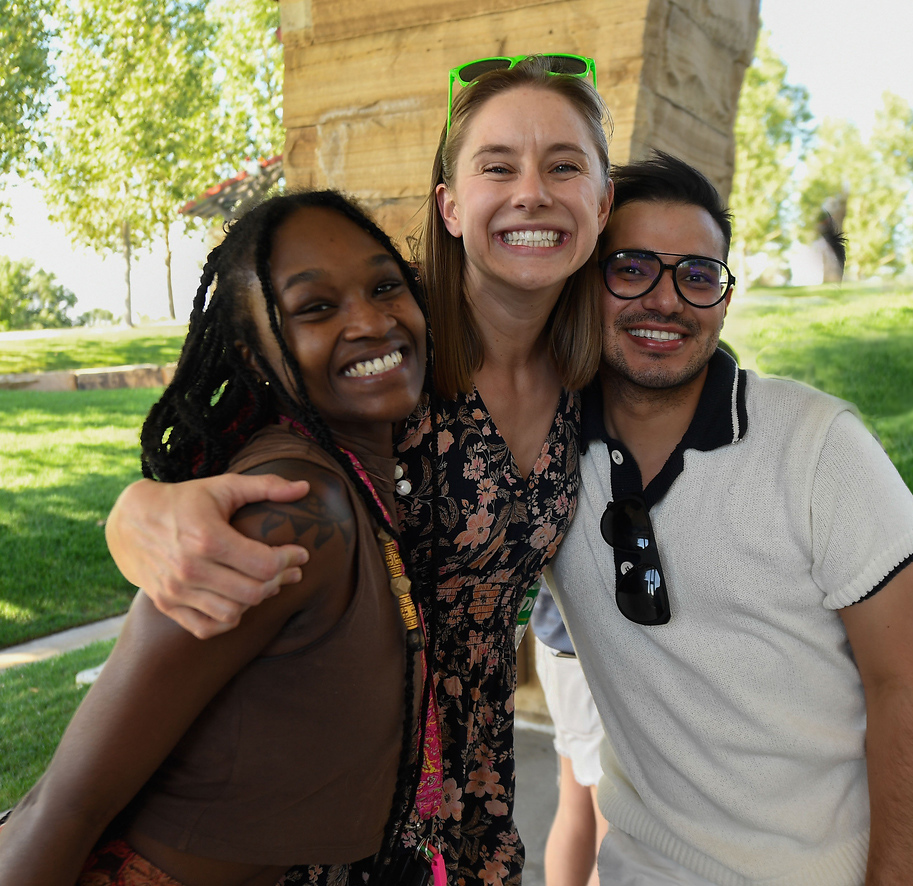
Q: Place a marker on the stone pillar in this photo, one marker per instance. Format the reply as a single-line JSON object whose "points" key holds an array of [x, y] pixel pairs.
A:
{"points": [[366, 82], [366, 95]]}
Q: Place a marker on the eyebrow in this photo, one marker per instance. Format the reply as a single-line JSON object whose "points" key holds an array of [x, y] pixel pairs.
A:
{"points": [[310, 275], [557, 148]]}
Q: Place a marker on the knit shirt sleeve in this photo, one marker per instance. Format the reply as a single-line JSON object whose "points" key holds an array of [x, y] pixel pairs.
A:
{"points": [[862, 514]]}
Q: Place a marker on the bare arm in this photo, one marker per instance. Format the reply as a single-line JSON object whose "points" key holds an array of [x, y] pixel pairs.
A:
{"points": [[880, 631], [155, 684], [174, 540]]}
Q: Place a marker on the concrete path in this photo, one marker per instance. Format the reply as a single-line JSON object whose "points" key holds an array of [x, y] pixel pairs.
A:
{"points": [[75, 638]]}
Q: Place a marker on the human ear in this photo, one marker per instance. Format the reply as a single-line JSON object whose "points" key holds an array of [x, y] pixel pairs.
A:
{"points": [[247, 355], [245, 351], [447, 207], [605, 205]]}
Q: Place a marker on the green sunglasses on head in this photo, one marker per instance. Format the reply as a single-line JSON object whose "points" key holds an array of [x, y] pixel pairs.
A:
{"points": [[558, 63]]}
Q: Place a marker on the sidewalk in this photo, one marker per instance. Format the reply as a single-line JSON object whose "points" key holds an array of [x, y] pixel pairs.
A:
{"points": [[65, 641]]}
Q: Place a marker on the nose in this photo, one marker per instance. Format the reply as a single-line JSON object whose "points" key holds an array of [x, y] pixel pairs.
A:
{"points": [[531, 191], [367, 317], [664, 298]]}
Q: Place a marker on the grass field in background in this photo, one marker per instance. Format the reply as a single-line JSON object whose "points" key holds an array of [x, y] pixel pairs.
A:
{"points": [[64, 458], [91, 348], [853, 341], [36, 703]]}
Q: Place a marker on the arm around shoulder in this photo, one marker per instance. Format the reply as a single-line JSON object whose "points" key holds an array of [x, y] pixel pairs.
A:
{"points": [[175, 541]]}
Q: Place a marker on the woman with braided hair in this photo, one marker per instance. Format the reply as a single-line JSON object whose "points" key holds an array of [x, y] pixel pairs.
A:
{"points": [[225, 763]]}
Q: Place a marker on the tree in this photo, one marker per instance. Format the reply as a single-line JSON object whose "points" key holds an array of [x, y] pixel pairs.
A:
{"points": [[31, 299], [250, 77], [161, 98], [96, 317], [24, 80], [771, 130], [873, 180], [138, 102]]}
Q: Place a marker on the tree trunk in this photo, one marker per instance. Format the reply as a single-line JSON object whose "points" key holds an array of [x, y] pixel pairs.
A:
{"points": [[128, 306], [168, 271]]}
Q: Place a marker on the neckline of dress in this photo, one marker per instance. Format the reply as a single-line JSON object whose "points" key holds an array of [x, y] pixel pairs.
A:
{"points": [[559, 410]]}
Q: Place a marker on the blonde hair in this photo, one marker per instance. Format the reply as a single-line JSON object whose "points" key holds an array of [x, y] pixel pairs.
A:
{"points": [[575, 327]]}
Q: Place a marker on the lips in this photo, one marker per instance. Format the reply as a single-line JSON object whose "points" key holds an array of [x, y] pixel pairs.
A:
{"points": [[375, 366]]}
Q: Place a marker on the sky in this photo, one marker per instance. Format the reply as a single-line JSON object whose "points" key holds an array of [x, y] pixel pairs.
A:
{"points": [[845, 53]]}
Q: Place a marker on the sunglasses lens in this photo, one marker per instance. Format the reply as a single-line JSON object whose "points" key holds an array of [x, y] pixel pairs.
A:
{"points": [[562, 64], [471, 72], [626, 525], [641, 596]]}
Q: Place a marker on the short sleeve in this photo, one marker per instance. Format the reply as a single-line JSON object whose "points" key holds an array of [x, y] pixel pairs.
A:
{"points": [[862, 514]]}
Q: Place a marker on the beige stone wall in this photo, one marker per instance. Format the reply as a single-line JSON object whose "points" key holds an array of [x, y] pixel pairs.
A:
{"points": [[366, 95], [366, 82]]}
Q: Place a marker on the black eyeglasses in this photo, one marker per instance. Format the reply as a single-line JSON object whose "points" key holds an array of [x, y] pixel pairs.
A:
{"points": [[640, 587], [702, 282]]}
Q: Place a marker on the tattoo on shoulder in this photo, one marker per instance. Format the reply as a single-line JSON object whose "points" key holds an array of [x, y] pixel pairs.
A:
{"points": [[309, 516]]}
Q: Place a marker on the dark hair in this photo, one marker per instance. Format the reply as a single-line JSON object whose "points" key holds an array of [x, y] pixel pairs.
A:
{"points": [[573, 333], [662, 178], [217, 400]]}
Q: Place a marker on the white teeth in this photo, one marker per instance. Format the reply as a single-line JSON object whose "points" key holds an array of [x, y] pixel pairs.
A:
{"points": [[656, 334], [532, 238], [375, 366]]}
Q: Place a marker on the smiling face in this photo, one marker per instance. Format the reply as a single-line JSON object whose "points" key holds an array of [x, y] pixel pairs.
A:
{"points": [[659, 341], [349, 320], [528, 196]]}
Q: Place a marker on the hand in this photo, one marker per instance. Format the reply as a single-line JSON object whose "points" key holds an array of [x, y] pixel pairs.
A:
{"points": [[174, 540]]}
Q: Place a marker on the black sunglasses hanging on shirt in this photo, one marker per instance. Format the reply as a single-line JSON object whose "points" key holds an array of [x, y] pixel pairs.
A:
{"points": [[640, 586]]}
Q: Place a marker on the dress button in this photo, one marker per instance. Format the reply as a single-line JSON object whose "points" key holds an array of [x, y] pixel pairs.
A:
{"points": [[617, 457], [403, 487]]}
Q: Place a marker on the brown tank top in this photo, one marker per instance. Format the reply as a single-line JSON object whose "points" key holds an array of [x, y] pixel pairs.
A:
{"points": [[294, 761]]}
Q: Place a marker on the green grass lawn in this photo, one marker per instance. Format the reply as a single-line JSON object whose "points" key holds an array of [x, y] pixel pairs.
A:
{"points": [[64, 458], [852, 341], [92, 348], [36, 703]]}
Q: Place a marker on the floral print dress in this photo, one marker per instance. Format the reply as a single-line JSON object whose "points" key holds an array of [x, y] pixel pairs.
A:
{"points": [[495, 531]]}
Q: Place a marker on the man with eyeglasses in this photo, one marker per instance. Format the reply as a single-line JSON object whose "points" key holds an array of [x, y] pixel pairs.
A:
{"points": [[737, 582]]}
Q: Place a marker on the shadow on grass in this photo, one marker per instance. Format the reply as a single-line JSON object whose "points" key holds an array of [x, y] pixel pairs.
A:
{"points": [[68, 412], [79, 350], [65, 457], [57, 572], [36, 703], [874, 372]]}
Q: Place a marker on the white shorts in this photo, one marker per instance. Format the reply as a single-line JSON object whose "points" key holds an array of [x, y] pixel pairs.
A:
{"points": [[578, 729], [625, 861]]}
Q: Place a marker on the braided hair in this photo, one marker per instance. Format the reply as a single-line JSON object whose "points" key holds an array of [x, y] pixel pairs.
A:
{"points": [[217, 399]]}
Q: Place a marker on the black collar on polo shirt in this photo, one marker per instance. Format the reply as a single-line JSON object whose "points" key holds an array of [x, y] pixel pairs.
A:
{"points": [[721, 418]]}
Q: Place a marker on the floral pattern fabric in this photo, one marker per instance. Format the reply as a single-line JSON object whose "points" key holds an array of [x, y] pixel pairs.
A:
{"points": [[116, 863], [491, 534]]}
